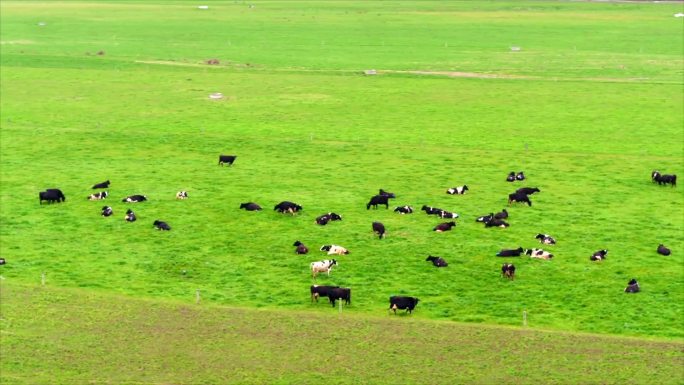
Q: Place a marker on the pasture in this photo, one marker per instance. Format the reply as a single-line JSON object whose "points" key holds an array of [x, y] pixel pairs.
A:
{"points": [[587, 108]]}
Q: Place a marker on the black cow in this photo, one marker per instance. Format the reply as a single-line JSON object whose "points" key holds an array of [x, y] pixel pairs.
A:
{"points": [[527, 190], [431, 210], [98, 196], [104, 184], [520, 176], [632, 286], [446, 226], [664, 179], [511, 177], [399, 302], [510, 252], [161, 225], [518, 197], [508, 270], [325, 218], [485, 218], [496, 223], [378, 200], [341, 293], [134, 198], [437, 261], [301, 249], [51, 195], [379, 229], [107, 211], [386, 194], [250, 206], [460, 190], [404, 210], [130, 216], [662, 250], [320, 291], [226, 159], [287, 207], [599, 255], [503, 214], [545, 239]]}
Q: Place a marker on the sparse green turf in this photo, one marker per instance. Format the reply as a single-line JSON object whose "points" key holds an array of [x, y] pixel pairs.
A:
{"points": [[591, 105]]}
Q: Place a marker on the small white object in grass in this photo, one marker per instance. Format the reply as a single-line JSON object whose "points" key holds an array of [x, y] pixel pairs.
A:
{"points": [[679, 14], [42, 23], [515, 48], [203, 7], [370, 72], [216, 95]]}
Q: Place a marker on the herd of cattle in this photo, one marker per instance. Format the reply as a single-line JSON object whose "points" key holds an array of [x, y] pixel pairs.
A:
{"points": [[335, 293]]}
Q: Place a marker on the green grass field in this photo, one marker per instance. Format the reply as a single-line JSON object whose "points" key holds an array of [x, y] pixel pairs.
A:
{"points": [[589, 106]]}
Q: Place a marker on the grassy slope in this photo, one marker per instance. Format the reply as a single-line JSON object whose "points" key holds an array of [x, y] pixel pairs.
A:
{"points": [[53, 335], [329, 139]]}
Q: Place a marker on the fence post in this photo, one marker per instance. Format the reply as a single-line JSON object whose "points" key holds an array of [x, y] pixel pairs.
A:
{"points": [[524, 317], [197, 296], [42, 279]]}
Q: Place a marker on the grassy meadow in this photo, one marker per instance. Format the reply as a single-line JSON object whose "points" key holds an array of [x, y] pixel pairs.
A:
{"points": [[591, 103]]}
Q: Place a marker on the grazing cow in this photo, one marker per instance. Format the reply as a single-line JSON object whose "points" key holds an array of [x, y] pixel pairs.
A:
{"points": [[538, 253], [520, 176], [229, 159], [510, 252], [107, 211], [511, 177], [508, 270], [664, 179], [437, 261], [520, 198], [104, 184], [98, 196], [378, 200], [527, 190], [325, 218], [250, 206], [386, 194], [503, 214], [130, 216], [162, 226], [447, 214], [445, 226], [399, 302], [460, 190], [632, 286], [599, 255], [287, 207], [134, 198], [341, 293], [662, 250], [320, 291], [334, 249], [485, 218], [431, 210], [379, 229], [300, 248], [496, 223], [321, 266], [545, 239], [182, 195], [51, 195], [404, 210]]}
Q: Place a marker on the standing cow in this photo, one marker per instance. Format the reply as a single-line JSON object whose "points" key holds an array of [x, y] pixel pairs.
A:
{"points": [[399, 302]]}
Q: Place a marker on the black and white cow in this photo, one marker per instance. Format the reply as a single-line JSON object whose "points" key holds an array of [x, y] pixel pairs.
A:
{"points": [[460, 190], [538, 253], [510, 252], [320, 291], [226, 159], [519, 198], [445, 226], [51, 195], [404, 210], [662, 250], [134, 198], [287, 207], [447, 214], [2, 261], [431, 210], [599, 255], [520, 176], [485, 218], [503, 214], [107, 211], [496, 223], [437, 261], [378, 200], [334, 249], [322, 266], [664, 179], [130, 216], [182, 195], [98, 196], [104, 184], [300, 248], [545, 239], [379, 229], [386, 194], [511, 177], [325, 218], [632, 286], [399, 302], [250, 206], [162, 226], [339, 293], [527, 190], [508, 270]]}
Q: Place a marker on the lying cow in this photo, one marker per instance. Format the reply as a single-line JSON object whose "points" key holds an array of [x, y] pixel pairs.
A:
{"points": [[379, 229], [339, 293], [130, 216], [662, 250], [287, 207], [226, 159], [378, 200], [545, 239], [599, 255], [404, 210], [429, 210], [460, 190], [104, 184], [300, 248], [399, 302], [664, 179], [496, 223], [51, 195], [485, 218], [510, 252], [182, 195], [538, 253], [520, 176], [162, 226], [107, 211], [503, 214], [134, 199], [442, 227], [511, 177], [250, 206], [334, 249], [632, 286], [322, 266], [508, 270], [320, 291], [325, 218], [437, 261], [98, 196], [447, 214]]}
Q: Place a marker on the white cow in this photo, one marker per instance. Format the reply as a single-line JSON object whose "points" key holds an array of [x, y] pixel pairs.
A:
{"points": [[539, 253], [334, 249], [321, 266]]}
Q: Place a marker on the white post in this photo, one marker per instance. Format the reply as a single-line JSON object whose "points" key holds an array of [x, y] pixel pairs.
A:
{"points": [[340, 311], [197, 296], [42, 279], [524, 317]]}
